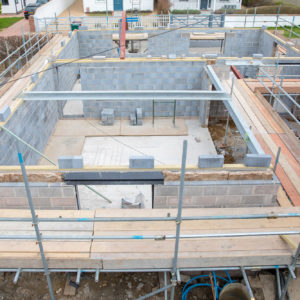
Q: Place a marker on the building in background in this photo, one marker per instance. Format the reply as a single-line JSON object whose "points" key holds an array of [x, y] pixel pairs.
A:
{"points": [[117, 5], [12, 6], [205, 4]]}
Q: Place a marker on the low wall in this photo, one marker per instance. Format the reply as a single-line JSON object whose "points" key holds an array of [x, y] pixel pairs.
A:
{"points": [[44, 195], [247, 193]]}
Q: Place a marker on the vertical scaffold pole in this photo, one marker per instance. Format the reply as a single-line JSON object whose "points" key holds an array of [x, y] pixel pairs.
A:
{"points": [[178, 219], [35, 222], [292, 267]]}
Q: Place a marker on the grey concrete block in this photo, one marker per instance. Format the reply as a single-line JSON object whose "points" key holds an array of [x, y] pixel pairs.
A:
{"points": [[139, 113], [258, 55], [34, 77], [4, 113], [70, 162], [141, 162], [210, 161], [107, 116], [132, 119], [257, 160], [172, 56], [63, 42]]}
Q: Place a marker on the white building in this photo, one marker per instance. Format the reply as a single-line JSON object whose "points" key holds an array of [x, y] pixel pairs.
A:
{"points": [[12, 6], [113, 5], [205, 4], [117, 5]]}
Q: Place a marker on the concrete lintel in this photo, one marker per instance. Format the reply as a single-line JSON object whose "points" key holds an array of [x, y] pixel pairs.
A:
{"points": [[127, 95], [112, 178], [255, 160]]}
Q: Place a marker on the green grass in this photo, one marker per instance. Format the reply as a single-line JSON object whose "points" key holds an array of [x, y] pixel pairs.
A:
{"points": [[286, 32], [6, 22]]}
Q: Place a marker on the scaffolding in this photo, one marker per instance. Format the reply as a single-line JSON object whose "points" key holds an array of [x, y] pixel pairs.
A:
{"points": [[174, 270]]}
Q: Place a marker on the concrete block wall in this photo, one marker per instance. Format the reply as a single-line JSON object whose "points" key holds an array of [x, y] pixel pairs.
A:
{"points": [[217, 110], [71, 49], [242, 43], [217, 194], [34, 122], [45, 196], [150, 75], [94, 43], [176, 42]]}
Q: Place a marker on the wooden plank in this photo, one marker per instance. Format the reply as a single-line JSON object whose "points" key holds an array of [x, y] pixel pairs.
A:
{"points": [[192, 260], [282, 198], [202, 225], [290, 241], [275, 115], [284, 150], [257, 111], [292, 144], [266, 243], [59, 263], [292, 175], [69, 290], [163, 212], [265, 114], [280, 172], [49, 246]]}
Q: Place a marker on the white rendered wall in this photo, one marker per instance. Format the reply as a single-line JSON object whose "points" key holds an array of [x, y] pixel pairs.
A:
{"points": [[100, 5], [53, 7], [11, 8]]}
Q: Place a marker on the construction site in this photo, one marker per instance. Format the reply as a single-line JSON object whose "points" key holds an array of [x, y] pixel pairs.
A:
{"points": [[133, 157]]}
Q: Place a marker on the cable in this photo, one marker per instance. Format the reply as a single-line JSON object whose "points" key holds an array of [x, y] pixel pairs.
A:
{"points": [[97, 53]]}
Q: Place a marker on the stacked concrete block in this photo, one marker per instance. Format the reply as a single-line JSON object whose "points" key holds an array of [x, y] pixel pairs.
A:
{"points": [[132, 119], [210, 161], [107, 117], [141, 162], [4, 113], [70, 162], [139, 116]]}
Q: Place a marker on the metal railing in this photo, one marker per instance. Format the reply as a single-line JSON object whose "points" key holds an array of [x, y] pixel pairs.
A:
{"points": [[169, 20], [22, 55], [277, 96]]}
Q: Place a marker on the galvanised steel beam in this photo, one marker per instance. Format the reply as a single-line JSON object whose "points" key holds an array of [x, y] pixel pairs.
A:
{"points": [[236, 116], [128, 95]]}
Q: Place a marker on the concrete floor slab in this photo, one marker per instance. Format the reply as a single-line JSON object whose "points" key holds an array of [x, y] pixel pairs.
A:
{"points": [[85, 128], [62, 145], [167, 150], [162, 126]]}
